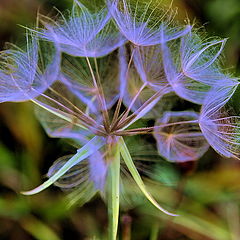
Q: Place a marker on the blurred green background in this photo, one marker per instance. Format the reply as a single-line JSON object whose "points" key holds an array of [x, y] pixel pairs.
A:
{"points": [[206, 193]]}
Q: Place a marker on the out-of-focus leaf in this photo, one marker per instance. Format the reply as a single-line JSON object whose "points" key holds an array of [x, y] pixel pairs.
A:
{"points": [[166, 174], [23, 125], [7, 158], [13, 208], [219, 185], [210, 230], [38, 229]]}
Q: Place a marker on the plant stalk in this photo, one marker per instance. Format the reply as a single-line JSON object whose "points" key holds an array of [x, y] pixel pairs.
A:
{"points": [[113, 191]]}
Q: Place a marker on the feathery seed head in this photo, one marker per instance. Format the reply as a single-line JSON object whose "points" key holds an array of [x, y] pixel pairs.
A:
{"points": [[95, 73]]}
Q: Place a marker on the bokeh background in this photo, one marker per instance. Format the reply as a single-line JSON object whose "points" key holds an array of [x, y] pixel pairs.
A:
{"points": [[206, 193]]}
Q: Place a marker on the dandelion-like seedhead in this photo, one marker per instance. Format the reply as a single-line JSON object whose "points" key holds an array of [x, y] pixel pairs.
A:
{"points": [[94, 73]]}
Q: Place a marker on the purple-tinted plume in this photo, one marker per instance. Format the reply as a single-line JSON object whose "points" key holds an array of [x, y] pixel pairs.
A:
{"points": [[219, 126], [24, 75], [141, 23], [194, 70], [85, 33], [179, 138], [149, 64]]}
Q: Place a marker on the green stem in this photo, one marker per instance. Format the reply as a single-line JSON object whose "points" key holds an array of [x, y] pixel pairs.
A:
{"points": [[154, 231], [113, 194]]}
